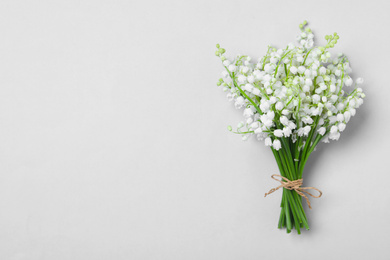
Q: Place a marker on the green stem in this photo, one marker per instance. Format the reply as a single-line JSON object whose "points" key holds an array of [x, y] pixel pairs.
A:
{"points": [[308, 140], [287, 211], [304, 159], [307, 55], [243, 93]]}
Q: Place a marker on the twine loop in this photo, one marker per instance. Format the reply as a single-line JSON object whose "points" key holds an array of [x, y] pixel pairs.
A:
{"points": [[294, 185]]}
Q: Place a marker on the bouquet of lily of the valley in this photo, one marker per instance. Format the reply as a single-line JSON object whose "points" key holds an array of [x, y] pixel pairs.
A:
{"points": [[293, 98]]}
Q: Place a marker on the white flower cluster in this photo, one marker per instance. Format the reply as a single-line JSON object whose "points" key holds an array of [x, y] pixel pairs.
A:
{"points": [[294, 93]]}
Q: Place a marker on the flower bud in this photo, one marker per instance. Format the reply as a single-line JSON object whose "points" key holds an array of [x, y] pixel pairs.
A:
{"points": [[341, 127], [334, 129], [268, 141], [293, 69], [277, 145], [321, 130], [278, 133]]}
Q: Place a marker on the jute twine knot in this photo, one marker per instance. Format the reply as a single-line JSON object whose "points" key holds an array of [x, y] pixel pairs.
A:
{"points": [[294, 185]]}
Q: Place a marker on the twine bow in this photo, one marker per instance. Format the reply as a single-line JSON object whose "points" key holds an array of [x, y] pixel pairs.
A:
{"points": [[294, 185]]}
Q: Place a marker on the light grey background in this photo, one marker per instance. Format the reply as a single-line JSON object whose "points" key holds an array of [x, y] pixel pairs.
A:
{"points": [[113, 140]]}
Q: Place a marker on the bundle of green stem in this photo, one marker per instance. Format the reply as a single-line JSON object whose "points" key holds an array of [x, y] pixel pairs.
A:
{"points": [[291, 160]]}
